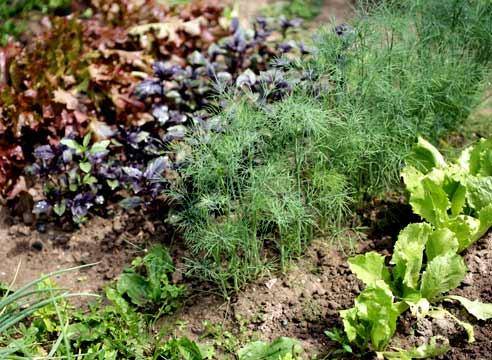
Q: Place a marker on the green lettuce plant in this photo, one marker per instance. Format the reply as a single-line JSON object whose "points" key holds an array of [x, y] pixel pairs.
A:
{"points": [[455, 200]]}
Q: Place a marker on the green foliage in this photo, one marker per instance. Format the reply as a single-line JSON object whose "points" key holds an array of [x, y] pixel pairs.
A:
{"points": [[147, 282], [431, 349], [282, 348], [181, 349], [440, 193], [456, 196], [478, 309], [264, 179], [277, 174], [372, 318]]}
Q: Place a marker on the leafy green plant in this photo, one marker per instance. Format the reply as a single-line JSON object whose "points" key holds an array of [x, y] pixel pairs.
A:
{"points": [[147, 282], [282, 348], [426, 263], [45, 303]]}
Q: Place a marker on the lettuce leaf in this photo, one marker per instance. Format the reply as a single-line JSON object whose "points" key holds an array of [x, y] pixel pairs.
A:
{"points": [[427, 196], [425, 156], [369, 268], [479, 191], [408, 254], [481, 311], [373, 317], [443, 273], [440, 242], [427, 350]]}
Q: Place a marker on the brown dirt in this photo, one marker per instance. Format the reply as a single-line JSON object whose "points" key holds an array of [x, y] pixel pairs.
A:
{"points": [[110, 243]]}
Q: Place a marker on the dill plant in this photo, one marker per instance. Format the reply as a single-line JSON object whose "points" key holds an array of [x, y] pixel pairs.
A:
{"points": [[253, 195]]}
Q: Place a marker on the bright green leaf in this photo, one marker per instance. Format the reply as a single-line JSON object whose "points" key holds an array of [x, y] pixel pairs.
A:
{"points": [[440, 242], [481, 311], [373, 317], [100, 146], [85, 166], [479, 191], [86, 140], [369, 268], [72, 144], [465, 228], [135, 286], [408, 254], [442, 274], [276, 350], [431, 349], [425, 156]]}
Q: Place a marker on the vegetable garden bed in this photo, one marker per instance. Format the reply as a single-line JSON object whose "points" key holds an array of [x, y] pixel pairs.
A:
{"points": [[254, 193]]}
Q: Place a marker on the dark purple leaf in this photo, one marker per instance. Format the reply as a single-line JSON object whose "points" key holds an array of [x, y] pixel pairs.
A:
{"points": [[44, 152], [81, 204], [286, 47], [234, 24], [41, 207], [67, 156], [247, 78], [148, 88], [287, 24], [132, 172], [156, 167], [165, 71], [197, 58], [174, 133], [160, 113], [176, 117]]}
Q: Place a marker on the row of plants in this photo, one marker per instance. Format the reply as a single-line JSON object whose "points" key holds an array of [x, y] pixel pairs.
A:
{"points": [[121, 324], [253, 195], [455, 200], [109, 131]]}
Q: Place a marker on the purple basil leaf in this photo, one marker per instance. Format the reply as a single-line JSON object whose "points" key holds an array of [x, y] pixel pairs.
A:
{"points": [[234, 24], [247, 78], [97, 158], [165, 71], [81, 204], [156, 167], [262, 22], [41, 207], [215, 50], [286, 23], [44, 152], [224, 77], [197, 58], [67, 156], [176, 117], [174, 133], [160, 113], [286, 47], [132, 172], [148, 88]]}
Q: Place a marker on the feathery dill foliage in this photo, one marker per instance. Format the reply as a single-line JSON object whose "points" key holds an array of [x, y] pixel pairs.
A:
{"points": [[264, 180], [257, 192]]}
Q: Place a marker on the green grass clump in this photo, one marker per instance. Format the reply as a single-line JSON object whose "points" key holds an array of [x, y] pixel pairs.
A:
{"points": [[255, 194]]}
